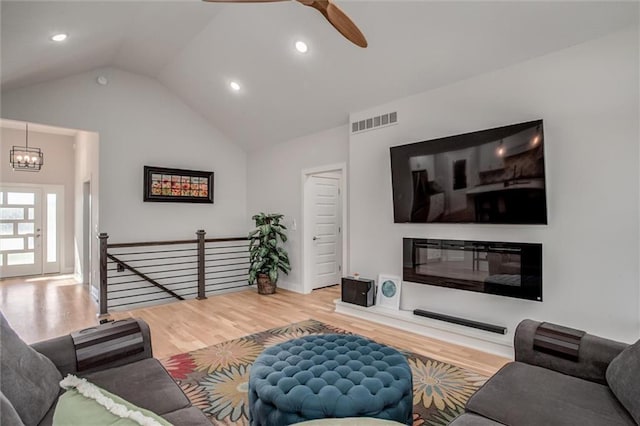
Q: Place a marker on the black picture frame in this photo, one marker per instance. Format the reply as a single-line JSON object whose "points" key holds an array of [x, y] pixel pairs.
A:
{"points": [[166, 185]]}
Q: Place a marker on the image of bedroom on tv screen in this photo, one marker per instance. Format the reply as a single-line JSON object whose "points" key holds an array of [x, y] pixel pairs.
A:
{"points": [[490, 176]]}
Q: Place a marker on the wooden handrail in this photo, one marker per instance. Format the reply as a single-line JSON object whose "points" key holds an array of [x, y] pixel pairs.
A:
{"points": [[151, 243], [222, 240], [174, 242]]}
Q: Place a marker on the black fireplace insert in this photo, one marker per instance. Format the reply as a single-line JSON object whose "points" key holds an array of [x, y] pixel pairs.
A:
{"points": [[502, 268]]}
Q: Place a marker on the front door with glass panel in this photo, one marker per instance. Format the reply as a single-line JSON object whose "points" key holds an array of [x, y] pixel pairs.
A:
{"points": [[20, 231]]}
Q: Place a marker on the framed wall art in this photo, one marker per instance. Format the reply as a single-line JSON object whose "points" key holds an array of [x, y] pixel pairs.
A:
{"points": [[162, 184], [389, 287]]}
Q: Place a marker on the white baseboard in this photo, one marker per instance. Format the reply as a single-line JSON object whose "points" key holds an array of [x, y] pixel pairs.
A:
{"points": [[296, 288], [452, 333]]}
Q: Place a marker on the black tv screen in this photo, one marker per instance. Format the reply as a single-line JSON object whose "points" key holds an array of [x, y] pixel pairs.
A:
{"points": [[490, 176]]}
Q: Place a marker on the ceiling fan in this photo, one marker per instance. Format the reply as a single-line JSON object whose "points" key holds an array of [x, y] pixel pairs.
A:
{"points": [[329, 10]]}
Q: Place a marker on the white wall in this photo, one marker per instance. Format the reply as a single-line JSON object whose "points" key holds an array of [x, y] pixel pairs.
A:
{"points": [[141, 123], [87, 169], [588, 98], [58, 169], [275, 185]]}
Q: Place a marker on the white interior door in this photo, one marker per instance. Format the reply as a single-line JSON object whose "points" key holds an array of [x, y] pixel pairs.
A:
{"points": [[20, 231], [326, 219]]}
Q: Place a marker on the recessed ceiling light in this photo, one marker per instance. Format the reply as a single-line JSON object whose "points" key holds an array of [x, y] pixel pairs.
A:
{"points": [[235, 86], [301, 46], [59, 37]]}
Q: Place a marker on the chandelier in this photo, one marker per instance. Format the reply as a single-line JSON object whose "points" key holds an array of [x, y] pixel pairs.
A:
{"points": [[24, 158]]}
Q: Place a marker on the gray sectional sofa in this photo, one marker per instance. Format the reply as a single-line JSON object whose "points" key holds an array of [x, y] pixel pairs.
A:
{"points": [[601, 388], [30, 377]]}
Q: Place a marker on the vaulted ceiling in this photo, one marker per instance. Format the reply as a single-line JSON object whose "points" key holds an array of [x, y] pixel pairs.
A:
{"points": [[196, 49]]}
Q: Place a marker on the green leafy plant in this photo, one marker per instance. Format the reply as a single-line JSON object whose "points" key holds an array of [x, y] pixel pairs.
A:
{"points": [[264, 254]]}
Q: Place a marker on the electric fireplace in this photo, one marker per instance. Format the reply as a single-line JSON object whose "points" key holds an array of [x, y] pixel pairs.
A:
{"points": [[501, 268]]}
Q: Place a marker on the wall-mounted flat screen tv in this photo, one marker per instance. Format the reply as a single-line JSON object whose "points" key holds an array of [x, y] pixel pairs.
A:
{"points": [[490, 176]]}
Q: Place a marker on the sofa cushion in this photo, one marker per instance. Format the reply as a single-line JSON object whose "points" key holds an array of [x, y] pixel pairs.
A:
{"points": [[526, 395], [622, 377], [29, 380], [8, 414], [85, 403], [144, 383]]}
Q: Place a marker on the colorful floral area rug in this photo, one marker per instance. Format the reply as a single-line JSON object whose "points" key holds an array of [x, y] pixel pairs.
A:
{"points": [[216, 378]]}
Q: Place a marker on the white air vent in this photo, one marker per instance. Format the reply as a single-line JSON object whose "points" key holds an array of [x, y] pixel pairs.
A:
{"points": [[374, 122]]}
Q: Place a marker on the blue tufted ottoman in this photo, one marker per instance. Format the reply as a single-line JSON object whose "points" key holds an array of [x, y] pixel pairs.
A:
{"points": [[330, 375]]}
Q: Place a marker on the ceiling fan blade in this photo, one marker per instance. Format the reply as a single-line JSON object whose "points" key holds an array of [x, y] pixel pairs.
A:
{"points": [[344, 25], [338, 19], [329, 10]]}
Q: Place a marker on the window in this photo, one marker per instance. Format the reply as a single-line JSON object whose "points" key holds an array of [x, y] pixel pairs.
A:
{"points": [[6, 228], [12, 244], [21, 198], [24, 227], [20, 258], [52, 242], [11, 213]]}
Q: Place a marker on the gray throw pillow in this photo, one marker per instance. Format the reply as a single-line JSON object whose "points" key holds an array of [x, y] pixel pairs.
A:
{"points": [[8, 415], [622, 378], [29, 380]]}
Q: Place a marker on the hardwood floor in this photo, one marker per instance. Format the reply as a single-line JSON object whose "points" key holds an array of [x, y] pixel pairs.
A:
{"points": [[42, 308]]}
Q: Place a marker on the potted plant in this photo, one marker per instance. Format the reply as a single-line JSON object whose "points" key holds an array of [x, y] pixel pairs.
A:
{"points": [[266, 258]]}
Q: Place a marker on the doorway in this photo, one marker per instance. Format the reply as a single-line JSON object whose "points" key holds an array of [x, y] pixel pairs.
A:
{"points": [[30, 229], [324, 226]]}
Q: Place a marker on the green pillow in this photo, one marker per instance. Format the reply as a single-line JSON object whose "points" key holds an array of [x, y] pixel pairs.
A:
{"points": [[86, 404]]}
